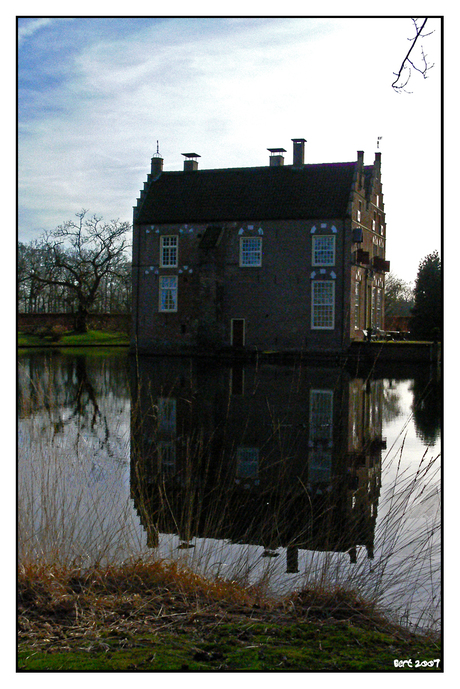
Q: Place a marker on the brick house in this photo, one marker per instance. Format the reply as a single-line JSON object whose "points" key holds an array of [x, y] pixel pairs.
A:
{"points": [[278, 258]]}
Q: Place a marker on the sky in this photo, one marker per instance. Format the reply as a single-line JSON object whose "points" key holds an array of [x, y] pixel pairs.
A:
{"points": [[96, 94]]}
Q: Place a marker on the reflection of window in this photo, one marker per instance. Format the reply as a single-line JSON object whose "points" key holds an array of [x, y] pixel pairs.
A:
{"points": [[247, 462], [237, 380], [168, 293], [251, 251], [323, 251], [319, 466], [167, 456], [355, 415], [321, 415], [323, 297], [168, 251], [167, 415]]}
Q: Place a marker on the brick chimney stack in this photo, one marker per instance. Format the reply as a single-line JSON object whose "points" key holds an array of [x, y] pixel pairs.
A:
{"points": [[276, 156], [298, 152], [190, 162]]}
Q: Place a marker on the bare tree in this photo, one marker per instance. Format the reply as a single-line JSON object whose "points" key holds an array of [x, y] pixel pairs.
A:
{"points": [[77, 256], [32, 294], [420, 64], [399, 296]]}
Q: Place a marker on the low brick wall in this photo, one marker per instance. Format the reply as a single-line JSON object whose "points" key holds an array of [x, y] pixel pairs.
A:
{"points": [[110, 322], [413, 352]]}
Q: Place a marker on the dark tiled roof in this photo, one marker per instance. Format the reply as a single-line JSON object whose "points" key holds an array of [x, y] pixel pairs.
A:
{"points": [[260, 193]]}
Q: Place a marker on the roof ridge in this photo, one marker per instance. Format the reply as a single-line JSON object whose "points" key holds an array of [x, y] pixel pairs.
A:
{"points": [[254, 168]]}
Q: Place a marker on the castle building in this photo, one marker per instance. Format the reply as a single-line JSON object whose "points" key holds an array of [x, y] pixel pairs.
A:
{"points": [[279, 258]]}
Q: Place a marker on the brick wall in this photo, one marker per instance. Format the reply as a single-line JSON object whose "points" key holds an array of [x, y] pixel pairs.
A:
{"points": [[114, 322], [274, 299]]}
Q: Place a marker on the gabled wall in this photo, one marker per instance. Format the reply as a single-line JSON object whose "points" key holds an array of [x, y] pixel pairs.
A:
{"points": [[368, 264]]}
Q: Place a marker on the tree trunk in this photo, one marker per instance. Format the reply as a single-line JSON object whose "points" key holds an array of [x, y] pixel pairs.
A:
{"points": [[81, 321]]}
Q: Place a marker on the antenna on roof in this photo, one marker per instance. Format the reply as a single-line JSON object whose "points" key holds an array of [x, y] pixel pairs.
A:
{"points": [[379, 138], [157, 154], [157, 164]]}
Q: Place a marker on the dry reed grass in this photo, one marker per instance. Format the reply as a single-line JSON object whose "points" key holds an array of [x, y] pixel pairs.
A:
{"points": [[79, 563]]}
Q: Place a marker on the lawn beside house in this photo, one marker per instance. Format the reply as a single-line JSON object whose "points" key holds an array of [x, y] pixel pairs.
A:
{"points": [[92, 338]]}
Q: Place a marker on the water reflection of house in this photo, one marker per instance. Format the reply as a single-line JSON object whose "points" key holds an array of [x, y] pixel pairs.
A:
{"points": [[274, 456]]}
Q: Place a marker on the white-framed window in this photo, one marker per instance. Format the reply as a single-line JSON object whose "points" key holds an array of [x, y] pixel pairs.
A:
{"points": [[358, 212], [168, 293], [378, 309], [251, 251], [323, 250], [356, 304], [322, 304], [169, 245], [373, 293]]}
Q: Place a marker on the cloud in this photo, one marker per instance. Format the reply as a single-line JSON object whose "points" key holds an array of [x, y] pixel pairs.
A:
{"points": [[95, 94], [27, 28]]}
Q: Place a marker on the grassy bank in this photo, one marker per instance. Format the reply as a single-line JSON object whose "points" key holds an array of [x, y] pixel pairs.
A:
{"points": [[157, 617], [84, 499], [92, 338]]}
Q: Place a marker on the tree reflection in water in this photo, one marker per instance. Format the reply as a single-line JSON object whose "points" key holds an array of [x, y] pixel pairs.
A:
{"points": [[289, 465]]}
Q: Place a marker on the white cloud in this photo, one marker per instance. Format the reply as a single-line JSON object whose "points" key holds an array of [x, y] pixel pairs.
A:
{"points": [[28, 29], [227, 89]]}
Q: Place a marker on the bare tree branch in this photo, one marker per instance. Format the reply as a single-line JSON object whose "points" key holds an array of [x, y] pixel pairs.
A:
{"points": [[78, 256], [408, 63]]}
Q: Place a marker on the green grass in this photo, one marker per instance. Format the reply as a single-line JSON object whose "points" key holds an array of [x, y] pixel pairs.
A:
{"points": [[156, 617], [240, 646], [90, 338]]}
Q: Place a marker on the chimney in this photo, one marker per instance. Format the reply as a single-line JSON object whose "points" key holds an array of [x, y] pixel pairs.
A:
{"points": [[157, 164], [360, 170], [299, 152], [276, 156], [190, 162]]}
